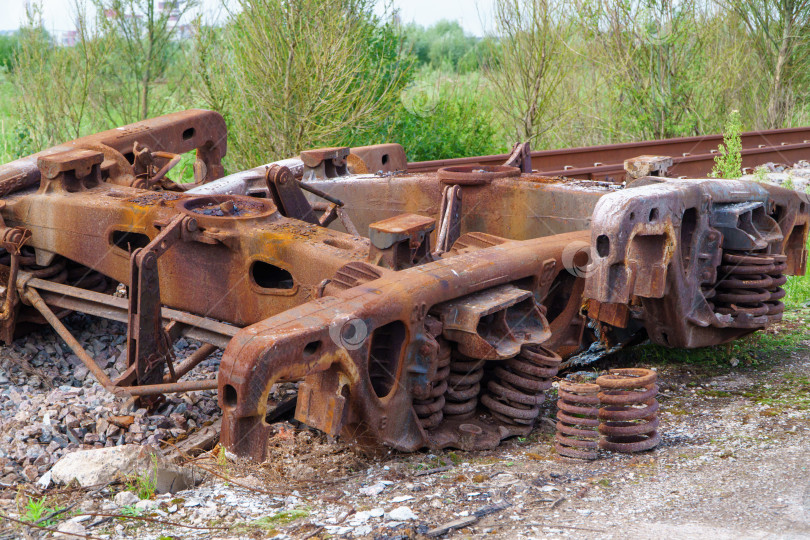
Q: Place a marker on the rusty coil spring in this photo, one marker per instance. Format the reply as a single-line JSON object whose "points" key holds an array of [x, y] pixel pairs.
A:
{"points": [[56, 271], [628, 418], [429, 410], [463, 386], [751, 283], [577, 420], [86, 278], [515, 394]]}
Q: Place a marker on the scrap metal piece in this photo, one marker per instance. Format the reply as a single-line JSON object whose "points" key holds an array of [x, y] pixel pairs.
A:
{"points": [[364, 343], [377, 158], [287, 194], [449, 220], [662, 236], [521, 157], [473, 175], [401, 241], [324, 163], [577, 420], [641, 166], [628, 420]]}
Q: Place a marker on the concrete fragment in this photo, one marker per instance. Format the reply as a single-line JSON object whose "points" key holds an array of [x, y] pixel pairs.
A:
{"points": [[102, 465]]}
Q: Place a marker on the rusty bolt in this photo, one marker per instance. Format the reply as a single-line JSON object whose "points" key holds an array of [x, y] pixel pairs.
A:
{"points": [[191, 225]]}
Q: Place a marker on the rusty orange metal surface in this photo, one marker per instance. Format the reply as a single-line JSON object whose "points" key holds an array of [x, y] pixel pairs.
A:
{"points": [[416, 309]]}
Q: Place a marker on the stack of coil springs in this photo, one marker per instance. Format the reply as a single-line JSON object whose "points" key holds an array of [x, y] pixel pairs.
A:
{"points": [[750, 283], [628, 418], [430, 410], [463, 386], [577, 420], [516, 393]]}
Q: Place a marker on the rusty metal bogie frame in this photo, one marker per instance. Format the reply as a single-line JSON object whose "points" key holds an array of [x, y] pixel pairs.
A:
{"points": [[442, 328]]}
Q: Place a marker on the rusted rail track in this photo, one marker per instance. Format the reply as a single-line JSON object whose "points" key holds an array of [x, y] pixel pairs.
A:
{"points": [[692, 157]]}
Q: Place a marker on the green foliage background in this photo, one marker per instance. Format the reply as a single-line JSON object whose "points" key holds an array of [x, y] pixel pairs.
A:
{"points": [[629, 71]]}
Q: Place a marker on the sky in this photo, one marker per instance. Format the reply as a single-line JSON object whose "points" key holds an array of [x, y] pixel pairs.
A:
{"points": [[58, 14]]}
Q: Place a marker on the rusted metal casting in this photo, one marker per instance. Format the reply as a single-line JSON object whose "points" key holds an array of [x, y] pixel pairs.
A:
{"points": [[628, 418], [577, 420], [414, 309]]}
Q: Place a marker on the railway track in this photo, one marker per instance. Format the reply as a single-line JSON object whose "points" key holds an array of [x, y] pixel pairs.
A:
{"points": [[692, 156]]}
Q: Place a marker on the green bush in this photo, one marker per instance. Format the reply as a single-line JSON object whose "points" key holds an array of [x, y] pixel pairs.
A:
{"points": [[9, 46], [439, 120]]}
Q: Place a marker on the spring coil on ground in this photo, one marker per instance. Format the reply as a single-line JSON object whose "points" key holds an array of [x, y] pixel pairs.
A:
{"points": [[463, 386], [577, 420], [429, 410], [515, 394], [750, 283], [628, 418]]}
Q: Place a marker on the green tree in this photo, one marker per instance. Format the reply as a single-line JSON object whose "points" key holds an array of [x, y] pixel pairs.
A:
{"points": [[293, 75], [529, 61], [143, 54], [9, 47], [728, 161], [651, 51], [779, 33], [53, 83]]}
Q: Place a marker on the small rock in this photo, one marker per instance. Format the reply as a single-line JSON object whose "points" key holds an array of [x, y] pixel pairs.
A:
{"points": [[102, 465], [146, 505], [125, 498], [373, 490], [401, 513], [72, 530], [121, 421], [44, 481], [30, 473]]}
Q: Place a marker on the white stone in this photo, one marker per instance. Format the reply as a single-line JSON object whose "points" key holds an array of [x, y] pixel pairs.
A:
{"points": [[71, 527], [102, 465], [373, 490], [146, 505], [45, 480], [401, 498], [401, 513], [125, 498]]}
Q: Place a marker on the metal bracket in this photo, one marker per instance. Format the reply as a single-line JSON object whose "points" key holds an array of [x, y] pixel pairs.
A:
{"points": [[148, 346]]}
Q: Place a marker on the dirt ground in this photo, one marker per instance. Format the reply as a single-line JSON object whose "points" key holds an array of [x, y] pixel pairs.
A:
{"points": [[733, 463]]}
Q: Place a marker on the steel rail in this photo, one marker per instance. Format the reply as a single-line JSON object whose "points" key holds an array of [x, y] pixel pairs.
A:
{"points": [[598, 162]]}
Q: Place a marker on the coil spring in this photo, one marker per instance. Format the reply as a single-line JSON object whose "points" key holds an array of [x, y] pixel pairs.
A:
{"points": [[515, 395], [751, 284], [60, 270], [463, 386], [56, 271], [629, 421], [86, 278], [429, 410], [578, 420]]}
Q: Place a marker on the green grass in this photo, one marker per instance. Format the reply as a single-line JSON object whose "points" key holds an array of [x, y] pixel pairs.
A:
{"points": [[144, 484], [8, 146], [268, 524], [36, 509]]}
